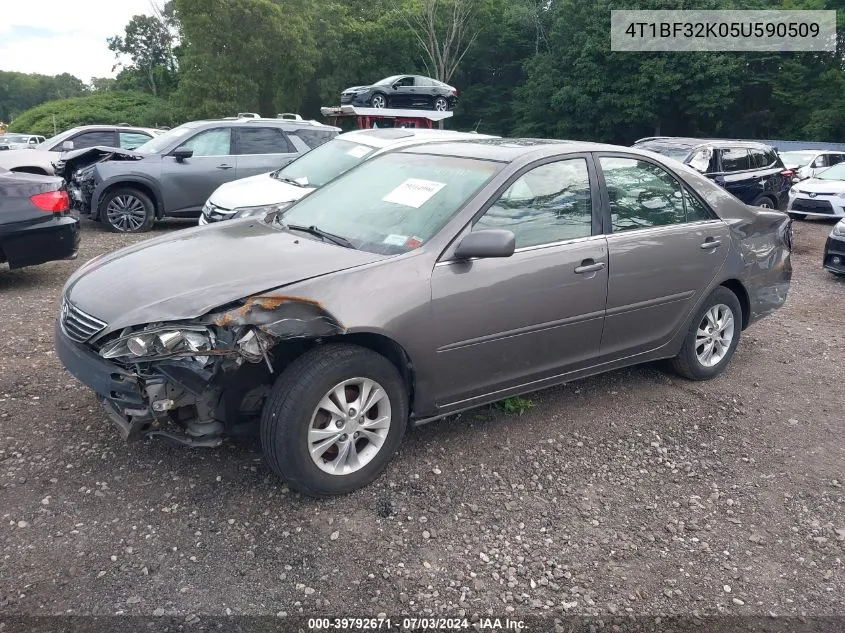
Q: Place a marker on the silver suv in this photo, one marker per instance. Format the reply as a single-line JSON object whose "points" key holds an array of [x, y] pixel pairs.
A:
{"points": [[174, 174]]}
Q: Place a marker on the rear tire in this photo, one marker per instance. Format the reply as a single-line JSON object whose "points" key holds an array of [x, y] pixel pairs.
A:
{"points": [[765, 202], [304, 414], [716, 327], [127, 210]]}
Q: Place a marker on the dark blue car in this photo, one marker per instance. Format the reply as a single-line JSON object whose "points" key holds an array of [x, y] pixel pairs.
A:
{"points": [[753, 172]]}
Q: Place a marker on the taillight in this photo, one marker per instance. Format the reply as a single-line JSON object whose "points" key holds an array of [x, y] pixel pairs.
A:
{"points": [[787, 173], [52, 201]]}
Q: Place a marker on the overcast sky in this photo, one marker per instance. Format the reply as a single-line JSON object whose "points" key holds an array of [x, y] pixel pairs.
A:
{"points": [[63, 36]]}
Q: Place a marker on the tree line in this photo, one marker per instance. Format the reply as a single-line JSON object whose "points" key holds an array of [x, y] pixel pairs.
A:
{"points": [[523, 67]]}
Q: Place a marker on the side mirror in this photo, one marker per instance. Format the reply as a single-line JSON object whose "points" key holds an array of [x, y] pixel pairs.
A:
{"points": [[395, 86], [181, 153], [67, 146], [486, 243]]}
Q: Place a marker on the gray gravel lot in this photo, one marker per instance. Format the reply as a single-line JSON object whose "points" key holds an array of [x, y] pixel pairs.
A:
{"points": [[634, 492]]}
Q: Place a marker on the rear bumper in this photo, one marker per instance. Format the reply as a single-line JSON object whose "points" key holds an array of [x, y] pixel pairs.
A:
{"points": [[30, 244]]}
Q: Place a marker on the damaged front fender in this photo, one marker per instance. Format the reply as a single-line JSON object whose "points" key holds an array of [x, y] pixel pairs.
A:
{"points": [[282, 317]]}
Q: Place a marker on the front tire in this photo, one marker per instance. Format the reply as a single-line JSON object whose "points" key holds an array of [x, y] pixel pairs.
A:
{"points": [[334, 419], [378, 101], [441, 104], [712, 338], [127, 210]]}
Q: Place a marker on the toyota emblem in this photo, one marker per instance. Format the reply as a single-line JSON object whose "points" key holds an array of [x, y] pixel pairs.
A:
{"points": [[813, 194], [64, 311]]}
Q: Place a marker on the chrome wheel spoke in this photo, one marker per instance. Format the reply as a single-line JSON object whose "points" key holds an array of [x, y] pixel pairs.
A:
{"points": [[714, 335], [378, 423], [349, 426]]}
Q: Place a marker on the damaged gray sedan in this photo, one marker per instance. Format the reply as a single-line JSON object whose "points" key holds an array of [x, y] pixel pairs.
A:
{"points": [[424, 282]]}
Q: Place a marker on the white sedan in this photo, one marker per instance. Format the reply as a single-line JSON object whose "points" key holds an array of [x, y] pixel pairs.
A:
{"points": [[822, 196]]}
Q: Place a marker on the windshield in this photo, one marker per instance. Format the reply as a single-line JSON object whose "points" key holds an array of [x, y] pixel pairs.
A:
{"points": [[678, 152], [389, 81], [324, 163], [160, 143], [837, 172], [393, 203], [797, 159], [15, 138]]}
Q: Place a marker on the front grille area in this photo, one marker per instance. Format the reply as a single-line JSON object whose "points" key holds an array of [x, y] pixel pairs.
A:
{"points": [[78, 325], [812, 206], [213, 213]]}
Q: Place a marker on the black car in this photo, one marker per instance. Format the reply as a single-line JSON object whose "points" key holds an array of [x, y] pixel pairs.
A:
{"points": [[834, 249], [753, 172], [401, 92], [35, 221]]}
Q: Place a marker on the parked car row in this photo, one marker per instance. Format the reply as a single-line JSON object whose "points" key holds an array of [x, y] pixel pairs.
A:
{"points": [[19, 141]]}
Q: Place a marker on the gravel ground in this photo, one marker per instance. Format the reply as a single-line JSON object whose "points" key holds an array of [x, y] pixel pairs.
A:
{"points": [[634, 492]]}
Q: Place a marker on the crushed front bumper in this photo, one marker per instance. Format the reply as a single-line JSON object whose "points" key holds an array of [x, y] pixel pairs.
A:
{"points": [[129, 400]]}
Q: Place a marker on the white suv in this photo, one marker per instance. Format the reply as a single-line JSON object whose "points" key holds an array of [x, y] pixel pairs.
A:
{"points": [[259, 194]]}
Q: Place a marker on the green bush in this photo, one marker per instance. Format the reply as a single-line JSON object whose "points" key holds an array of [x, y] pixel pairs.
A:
{"points": [[109, 107]]}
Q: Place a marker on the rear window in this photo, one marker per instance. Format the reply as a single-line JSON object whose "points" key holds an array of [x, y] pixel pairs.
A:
{"points": [[314, 137], [761, 158], [263, 140]]}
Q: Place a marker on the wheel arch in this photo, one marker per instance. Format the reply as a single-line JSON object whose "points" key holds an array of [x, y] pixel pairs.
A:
{"points": [[736, 287], [127, 183]]}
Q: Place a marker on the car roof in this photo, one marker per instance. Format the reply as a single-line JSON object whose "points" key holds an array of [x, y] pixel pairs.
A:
{"points": [[511, 149], [681, 141], [252, 121], [396, 137]]}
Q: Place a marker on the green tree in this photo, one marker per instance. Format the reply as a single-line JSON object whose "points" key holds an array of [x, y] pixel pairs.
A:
{"points": [[149, 41]]}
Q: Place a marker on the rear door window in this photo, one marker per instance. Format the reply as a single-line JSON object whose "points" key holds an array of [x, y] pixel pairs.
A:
{"points": [[263, 140], [735, 159]]}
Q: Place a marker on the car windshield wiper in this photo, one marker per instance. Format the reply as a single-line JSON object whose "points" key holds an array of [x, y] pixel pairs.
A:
{"points": [[290, 181], [325, 235]]}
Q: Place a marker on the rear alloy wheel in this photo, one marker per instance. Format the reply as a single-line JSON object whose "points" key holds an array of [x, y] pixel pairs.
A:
{"points": [[128, 211], [764, 202], [334, 419], [378, 101], [440, 104], [712, 338]]}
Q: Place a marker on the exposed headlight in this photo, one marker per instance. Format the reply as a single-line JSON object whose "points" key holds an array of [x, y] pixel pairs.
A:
{"points": [[792, 192], [248, 212], [185, 341], [839, 229]]}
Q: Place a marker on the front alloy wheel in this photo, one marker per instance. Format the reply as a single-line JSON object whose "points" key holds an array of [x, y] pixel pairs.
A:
{"points": [[440, 104], [128, 211], [334, 419], [349, 426], [378, 101]]}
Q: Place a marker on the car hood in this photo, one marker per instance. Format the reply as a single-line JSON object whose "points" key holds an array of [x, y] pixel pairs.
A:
{"points": [[817, 185], [256, 191], [188, 273], [357, 88]]}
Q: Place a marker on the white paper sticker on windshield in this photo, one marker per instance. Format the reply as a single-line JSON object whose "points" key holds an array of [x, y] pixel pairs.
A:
{"points": [[359, 151], [302, 180], [414, 192], [395, 240]]}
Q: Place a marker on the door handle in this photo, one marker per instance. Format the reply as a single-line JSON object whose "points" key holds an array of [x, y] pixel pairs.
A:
{"points": [[710, 243], [589, 266], [224, 166]]}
